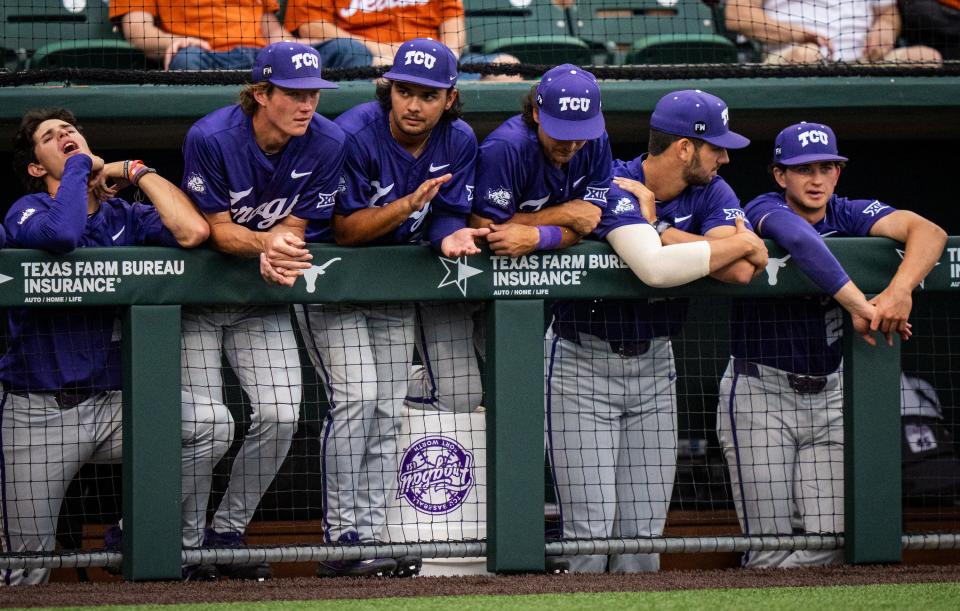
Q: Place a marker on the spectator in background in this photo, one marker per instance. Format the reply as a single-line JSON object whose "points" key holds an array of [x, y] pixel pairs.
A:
{"points": [[811, 31], [211, 35], [934, 23], [383, 26]]}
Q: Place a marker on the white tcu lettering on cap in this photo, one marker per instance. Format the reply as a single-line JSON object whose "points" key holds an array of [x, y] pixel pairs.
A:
{"points": [[574, 104], [305, 59], [813, 136], [421, 58]]}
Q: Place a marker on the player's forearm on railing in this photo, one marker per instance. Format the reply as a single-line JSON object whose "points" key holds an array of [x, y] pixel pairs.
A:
{"points": [[231, 238], [140, 31], [176, 211], [370, 223], [578, 215]]}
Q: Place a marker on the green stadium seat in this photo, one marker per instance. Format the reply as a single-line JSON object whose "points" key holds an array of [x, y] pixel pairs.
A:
{"points": [[534, 31], [652, 31], [48, 34]]}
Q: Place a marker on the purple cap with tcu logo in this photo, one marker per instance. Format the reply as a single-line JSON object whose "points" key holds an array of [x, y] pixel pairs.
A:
{"points": [[290, 65], [568, 104], [692, 113], [424, 61], [803, 143]]}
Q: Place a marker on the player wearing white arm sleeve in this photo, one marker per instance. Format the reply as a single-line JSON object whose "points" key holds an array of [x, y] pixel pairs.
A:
{"points": [[611, 404]]}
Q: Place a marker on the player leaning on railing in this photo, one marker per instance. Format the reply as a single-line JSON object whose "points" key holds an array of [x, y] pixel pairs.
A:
{"points": [[780, 416], [408, 177], [613, 445], [61, 401], [259, 171]]}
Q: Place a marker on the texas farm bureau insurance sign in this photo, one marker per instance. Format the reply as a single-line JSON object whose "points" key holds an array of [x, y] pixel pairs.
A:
{"points": [[70, 281]]}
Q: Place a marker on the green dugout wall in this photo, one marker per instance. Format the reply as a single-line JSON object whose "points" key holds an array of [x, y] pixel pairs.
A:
{"points": [[151, 283]]}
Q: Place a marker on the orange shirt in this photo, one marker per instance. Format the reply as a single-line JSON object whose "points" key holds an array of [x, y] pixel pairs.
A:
{"points": [[378, 20], [951, 3], [226, 24]]}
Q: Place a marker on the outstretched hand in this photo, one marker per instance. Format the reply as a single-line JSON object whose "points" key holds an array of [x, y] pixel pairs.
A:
{"points": [[462, 243]]}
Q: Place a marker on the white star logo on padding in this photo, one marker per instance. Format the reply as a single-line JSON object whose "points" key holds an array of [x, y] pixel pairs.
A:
{"points": [[901, 253], [457, 273]]}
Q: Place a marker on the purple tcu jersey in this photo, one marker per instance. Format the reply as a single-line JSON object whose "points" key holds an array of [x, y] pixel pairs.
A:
{"points": [[378, 171], [697, 209], [225, 171], [798, 334], [58, 348], [513, 174]]}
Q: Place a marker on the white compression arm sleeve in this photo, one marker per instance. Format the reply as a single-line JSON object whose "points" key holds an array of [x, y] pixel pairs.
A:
{"points": [[657, 265]]}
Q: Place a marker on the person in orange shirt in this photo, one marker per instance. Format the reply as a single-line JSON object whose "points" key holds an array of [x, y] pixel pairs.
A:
{"points": [[383, 25], [216, 35]]}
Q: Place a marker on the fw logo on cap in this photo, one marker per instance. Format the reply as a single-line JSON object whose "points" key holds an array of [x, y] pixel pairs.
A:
{"points": [[567, 102], [305, 59], [420, 58], [812, 137]]}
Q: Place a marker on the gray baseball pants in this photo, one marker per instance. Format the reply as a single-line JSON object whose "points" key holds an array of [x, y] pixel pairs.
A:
{"points": [[612, 438], [261, 348], [44, 447], [784, 452]]}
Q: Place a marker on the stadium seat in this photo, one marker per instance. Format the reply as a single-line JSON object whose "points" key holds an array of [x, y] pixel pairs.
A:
{"points": [[534, 31], [652, 31], [48, 34]]}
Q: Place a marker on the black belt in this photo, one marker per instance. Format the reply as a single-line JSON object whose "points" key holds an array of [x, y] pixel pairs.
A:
{"points": [[66, 399], [801, 384]]}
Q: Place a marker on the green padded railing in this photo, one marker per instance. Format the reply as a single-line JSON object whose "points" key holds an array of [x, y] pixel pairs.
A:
{"points": [[152, 282]]}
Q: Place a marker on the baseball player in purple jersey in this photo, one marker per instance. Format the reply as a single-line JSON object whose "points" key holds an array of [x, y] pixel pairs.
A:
{"points": [[781, 405], [543, 175], [611, 381], [61, 402], [259, 171], [408, 176]]}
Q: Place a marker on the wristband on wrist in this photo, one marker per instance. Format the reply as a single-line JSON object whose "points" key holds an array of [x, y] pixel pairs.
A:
{"points": [[662, 226], [136, 170], [550, 237]]}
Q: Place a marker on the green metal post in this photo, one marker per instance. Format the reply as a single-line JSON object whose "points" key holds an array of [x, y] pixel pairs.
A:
{"points": [[514, 401], [151, 443], [871, 429]]}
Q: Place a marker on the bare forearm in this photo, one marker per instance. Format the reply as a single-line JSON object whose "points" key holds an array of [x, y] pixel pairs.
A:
{"points": [[237, 240], [748, 18], [321, 31], [453, 33], [370, 223], [140, 31], [176, 210], [273, 30], [922, 250]]}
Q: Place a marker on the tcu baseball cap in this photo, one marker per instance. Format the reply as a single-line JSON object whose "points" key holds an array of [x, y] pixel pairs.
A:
{"points": [[805, 143], [568, 104], [291, 65], [692, 113], [424, 61]]}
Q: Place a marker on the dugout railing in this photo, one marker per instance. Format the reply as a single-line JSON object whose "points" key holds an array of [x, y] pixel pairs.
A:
{"points": [[151, 284]]}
